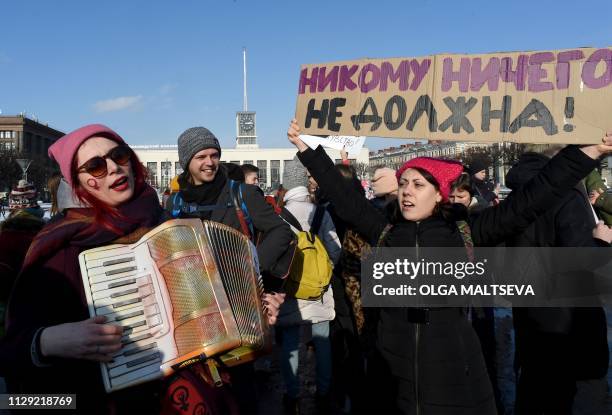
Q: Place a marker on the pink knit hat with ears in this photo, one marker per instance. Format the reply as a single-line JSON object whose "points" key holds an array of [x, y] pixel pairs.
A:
{"points": [[444, 171], [64, 150]]}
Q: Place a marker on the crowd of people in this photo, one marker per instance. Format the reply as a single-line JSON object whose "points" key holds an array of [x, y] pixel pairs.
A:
{"points": [[368, 360]]}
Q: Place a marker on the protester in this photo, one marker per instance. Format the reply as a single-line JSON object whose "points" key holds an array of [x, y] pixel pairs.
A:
{"points": [[51, 344], [25, 197], [16, 235], [463, 192], [251, 174], [483, 187], [599, 196], [53, 185], [434, 354], [210, 190], [547, 336], [294, 313]]}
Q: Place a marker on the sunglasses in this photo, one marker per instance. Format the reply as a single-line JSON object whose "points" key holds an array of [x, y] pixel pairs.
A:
{"points": [[97, 166]]}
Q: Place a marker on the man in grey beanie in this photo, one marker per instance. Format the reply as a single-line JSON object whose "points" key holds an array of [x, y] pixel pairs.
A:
{"points": [[199, 153], [206, 189], [205, 192]]}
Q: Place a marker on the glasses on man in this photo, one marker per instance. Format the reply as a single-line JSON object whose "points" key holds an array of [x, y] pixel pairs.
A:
{"points": [[97, 166]]}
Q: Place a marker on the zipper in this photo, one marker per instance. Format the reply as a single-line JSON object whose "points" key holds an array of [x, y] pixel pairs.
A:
{"points": [[416, 339]]}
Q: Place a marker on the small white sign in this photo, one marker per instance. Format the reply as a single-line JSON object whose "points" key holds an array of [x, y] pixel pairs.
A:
{"points": [[351, 144]]}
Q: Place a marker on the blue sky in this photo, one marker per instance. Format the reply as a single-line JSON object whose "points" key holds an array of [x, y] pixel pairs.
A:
{"points": [[151, 69]]}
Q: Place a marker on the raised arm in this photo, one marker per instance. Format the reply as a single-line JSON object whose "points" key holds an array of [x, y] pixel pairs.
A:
{"points": [[350, 206], [541, 193]]}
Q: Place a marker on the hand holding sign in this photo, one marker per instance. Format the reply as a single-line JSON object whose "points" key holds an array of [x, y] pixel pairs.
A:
{"points": [[352, 145]]}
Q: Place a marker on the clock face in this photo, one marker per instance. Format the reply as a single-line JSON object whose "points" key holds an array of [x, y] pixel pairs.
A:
{"points": [[247, 124]]}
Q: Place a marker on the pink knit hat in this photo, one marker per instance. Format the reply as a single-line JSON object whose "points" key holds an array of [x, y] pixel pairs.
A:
{"points": [[384, 181], [64, 150], [444, 171]]}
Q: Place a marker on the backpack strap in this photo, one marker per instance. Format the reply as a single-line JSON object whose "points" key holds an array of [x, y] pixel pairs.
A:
{"points": [[246, 224], [317, 219], [179, 206], [466, 235]]}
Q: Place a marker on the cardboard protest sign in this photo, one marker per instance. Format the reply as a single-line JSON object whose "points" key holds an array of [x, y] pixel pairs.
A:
{"points": [[351, 144], [562, 96]]}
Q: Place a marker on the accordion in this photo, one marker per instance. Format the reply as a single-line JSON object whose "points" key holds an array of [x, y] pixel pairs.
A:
{"points": [[186, 291]]}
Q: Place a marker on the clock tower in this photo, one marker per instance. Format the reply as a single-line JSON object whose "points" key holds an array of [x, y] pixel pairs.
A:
{"points": [[246, 136]]}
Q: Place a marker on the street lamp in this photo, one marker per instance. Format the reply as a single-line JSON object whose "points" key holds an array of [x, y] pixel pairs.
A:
{"points": [[24, 164]]}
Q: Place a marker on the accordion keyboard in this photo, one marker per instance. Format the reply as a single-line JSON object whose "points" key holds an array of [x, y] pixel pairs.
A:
{"points": [[125, 294], [184, 292]]}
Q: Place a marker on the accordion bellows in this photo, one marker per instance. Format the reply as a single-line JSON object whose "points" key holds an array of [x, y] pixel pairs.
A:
{"points": [[186, 291]]}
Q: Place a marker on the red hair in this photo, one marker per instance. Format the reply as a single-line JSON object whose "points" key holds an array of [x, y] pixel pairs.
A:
{"points": [[105, 214]]}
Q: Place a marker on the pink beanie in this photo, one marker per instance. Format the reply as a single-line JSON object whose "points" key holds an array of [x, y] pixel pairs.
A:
{"points": [[444, 171], [64, 150], [384, 182]]}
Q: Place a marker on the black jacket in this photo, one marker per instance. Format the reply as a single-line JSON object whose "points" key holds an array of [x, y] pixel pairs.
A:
{"points": [[577, 335], [275, 234], [439, 366]]}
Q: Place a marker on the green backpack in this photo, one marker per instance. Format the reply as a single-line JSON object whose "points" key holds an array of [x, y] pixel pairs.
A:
{"points": [[311, 270]]}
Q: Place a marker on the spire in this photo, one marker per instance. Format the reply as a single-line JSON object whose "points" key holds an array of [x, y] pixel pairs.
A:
{"points": [[244, 104]]}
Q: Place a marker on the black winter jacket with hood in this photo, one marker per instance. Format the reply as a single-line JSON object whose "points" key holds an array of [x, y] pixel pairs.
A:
{"points": [[581, 333], [439, 366]]}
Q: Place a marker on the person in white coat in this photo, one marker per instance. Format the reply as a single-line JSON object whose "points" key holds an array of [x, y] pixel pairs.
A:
{"points": [[296, 312]]}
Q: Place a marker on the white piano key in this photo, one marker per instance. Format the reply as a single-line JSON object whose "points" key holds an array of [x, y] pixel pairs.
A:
{"points": [[130, 313], [96, 279], [142, 373], [112, 269], [126, 295], [114, 260], [133, 352], [113, 252], [127, 308], [135, 337], [119, 287], [131, 366]]}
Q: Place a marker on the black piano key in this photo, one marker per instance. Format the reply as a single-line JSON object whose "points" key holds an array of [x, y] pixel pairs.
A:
{"points": [[127, 302], [117, 261], [140, 349], [138, 338], [130, 315], [120, 271], [122, 283], [143, 359], [126, 292]]}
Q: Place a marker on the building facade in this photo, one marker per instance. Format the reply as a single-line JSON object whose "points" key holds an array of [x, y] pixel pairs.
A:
{"points": [[394, 157], [162, 162], [26, 136]]}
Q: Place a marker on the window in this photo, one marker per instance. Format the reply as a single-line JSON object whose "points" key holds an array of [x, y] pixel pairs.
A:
{"points": [[262, 165], [165, 174], [152, 170], [235, 161], [247, 162], [274, 173], [178, 169]]}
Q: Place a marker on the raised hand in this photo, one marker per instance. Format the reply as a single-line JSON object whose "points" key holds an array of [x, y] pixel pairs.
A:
{"points": [[595, 151], [293, 134]]}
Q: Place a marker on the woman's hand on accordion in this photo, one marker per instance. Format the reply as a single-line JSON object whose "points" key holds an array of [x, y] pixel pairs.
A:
{"points": [[272, 303], [89, 339]]}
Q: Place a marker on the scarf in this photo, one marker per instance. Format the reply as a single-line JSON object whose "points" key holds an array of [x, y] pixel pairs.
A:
{"points": [[205, 193], [79, 228]]}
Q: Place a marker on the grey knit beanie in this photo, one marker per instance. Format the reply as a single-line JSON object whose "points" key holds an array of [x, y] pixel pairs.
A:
{"points": [[193, 141], [294, 174]]}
